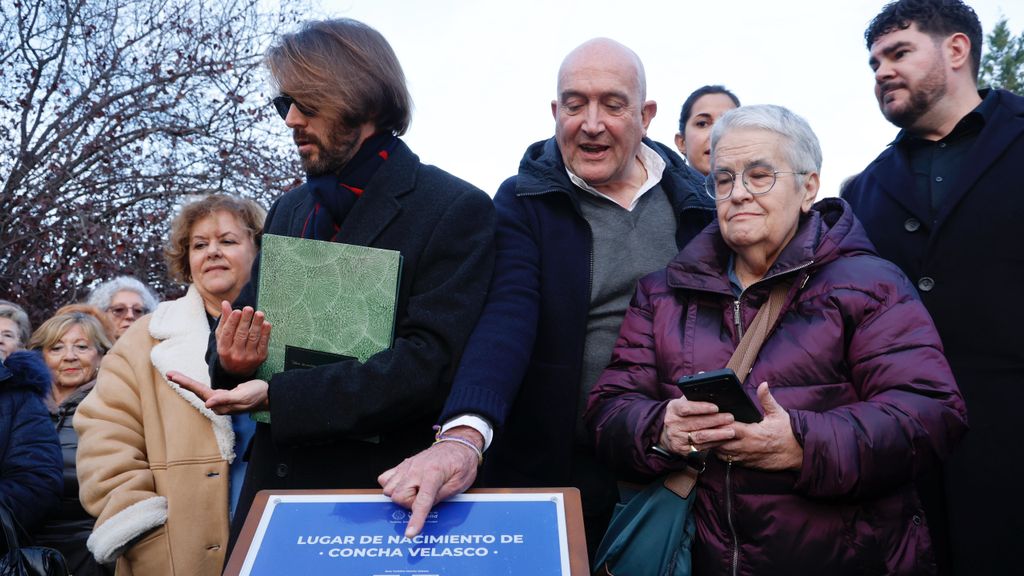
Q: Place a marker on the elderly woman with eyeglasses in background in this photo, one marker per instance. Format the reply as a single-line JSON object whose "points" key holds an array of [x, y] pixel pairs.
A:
{"points": [[124, 299], [158, 468], [857, 397], [72, 345]]}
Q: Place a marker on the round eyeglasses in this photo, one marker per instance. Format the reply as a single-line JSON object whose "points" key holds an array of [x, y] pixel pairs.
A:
{"points": [[756, 179]]}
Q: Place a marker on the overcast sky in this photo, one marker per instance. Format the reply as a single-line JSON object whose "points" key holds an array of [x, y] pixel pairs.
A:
{"points": [[482, 73]]}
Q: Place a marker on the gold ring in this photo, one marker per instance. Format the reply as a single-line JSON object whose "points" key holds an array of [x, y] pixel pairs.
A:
{"points": [[689, 440], [693, 449]]}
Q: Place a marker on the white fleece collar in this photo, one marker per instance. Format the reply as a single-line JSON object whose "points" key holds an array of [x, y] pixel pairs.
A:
{"points": [[182, 329]]}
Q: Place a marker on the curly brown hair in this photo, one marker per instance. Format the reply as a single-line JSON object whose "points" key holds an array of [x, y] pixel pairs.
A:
{"points": [[248, 213]]}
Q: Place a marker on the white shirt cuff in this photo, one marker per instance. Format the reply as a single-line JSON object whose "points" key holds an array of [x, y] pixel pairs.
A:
{"points": [[473, 421]]}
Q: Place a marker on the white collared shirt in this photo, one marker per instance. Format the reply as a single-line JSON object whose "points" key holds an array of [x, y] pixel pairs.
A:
{"points": [[652, 162]]}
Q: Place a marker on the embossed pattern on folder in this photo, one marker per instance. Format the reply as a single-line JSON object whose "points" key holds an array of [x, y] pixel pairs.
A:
{"points": [[327, 297]]}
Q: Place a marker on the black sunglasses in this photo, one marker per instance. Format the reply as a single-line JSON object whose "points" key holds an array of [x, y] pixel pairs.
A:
{"points": [[283, 104]]}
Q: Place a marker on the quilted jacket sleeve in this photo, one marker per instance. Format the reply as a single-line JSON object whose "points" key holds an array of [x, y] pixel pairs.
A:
{"points": [[626, 408], [910, 414]]}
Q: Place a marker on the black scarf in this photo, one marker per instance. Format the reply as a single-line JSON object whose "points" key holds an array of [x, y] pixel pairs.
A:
{"points": [[335, 194]]}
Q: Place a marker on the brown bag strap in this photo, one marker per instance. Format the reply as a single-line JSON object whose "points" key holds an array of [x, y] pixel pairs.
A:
{"points": [[682, 481], [745, 354]]}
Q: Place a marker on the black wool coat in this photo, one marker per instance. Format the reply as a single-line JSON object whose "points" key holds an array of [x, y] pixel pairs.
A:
{"points": [[967, 264], [341, 425]]}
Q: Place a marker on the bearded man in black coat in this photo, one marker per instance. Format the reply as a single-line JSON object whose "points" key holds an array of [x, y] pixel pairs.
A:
{"points": [[343, 94]]}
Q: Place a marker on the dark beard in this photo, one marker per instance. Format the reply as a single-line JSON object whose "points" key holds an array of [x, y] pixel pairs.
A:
{"points": [[931, 89], [331, 157]]}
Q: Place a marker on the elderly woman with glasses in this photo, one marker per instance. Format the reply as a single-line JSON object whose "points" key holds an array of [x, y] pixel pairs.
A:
{"points": [[857, 397], [124, 299], [160, 470]]}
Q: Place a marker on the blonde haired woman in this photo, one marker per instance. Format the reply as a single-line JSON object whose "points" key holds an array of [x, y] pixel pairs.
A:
{"points": [[72, 345]]}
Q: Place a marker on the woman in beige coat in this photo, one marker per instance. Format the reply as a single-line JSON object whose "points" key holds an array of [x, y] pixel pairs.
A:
{"points": [[154, 464]]}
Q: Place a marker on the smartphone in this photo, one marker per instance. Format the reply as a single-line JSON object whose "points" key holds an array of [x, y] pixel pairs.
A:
{"points": [[723, 389]]}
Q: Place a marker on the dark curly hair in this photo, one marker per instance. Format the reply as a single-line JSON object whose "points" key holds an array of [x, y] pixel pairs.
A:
{"points": [[937, 18]]}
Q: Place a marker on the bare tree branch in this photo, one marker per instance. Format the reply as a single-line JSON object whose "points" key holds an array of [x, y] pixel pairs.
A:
{"points": [[111, 113]]}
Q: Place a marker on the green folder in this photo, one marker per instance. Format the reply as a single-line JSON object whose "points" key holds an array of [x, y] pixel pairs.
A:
{"points": [[326, 301]]}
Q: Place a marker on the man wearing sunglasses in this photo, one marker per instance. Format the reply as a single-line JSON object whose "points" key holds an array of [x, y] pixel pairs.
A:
{"points": [[342, 93]]}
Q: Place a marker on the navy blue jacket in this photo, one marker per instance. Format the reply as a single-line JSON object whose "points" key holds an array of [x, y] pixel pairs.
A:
{"points": [[966, 263], [522, 365], [31, 477]]}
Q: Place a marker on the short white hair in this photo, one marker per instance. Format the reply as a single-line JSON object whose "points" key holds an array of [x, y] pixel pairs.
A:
{"points": [[104, 293], [802, 148]]}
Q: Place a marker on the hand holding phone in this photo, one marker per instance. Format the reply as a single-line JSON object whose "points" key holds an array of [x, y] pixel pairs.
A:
{"points": [[723, 389]]}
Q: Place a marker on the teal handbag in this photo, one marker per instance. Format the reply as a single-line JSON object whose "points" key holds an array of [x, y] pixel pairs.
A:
{"points": [[651, 534]]}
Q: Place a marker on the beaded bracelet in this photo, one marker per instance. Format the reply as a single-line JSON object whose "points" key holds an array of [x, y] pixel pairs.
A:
{"points": [[439, 438]]}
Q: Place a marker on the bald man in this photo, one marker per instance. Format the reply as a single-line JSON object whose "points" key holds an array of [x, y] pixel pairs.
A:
{"points": [[590, 211]]}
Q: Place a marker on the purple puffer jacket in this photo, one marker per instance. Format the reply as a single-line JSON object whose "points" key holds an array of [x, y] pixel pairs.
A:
{"points": [[854, 359]]}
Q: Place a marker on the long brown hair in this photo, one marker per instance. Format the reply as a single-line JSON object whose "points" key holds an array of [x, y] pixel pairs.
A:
{"points": [[344, 70]]}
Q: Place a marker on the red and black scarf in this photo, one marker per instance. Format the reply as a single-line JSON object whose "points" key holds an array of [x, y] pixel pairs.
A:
{"points": [[336, 194]]}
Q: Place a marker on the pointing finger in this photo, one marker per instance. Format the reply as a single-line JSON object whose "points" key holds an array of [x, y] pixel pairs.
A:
{"points": [[202, 391]]}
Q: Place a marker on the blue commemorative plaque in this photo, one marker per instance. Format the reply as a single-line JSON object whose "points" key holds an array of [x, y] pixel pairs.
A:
{"points": [[363, 535]]}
